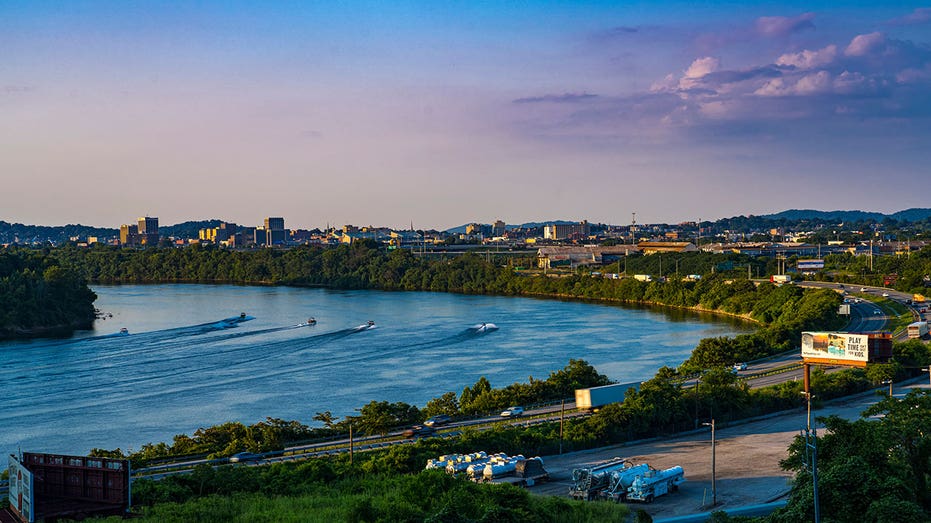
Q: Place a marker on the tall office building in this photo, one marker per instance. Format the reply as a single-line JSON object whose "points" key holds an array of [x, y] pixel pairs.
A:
{"points": [[148, 230], [275, 233], [129, 235]]}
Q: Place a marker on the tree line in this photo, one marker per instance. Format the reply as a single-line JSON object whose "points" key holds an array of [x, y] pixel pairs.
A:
{"points": [[40, 296]]}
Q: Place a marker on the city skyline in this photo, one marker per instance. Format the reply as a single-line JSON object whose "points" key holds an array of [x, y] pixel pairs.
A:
{"points": [[441, 113]]}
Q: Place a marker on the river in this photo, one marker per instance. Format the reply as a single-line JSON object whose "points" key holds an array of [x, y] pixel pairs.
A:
{"points": [[180, 367]]}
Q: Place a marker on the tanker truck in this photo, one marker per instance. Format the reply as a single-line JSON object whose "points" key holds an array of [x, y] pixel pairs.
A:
{"points": [[621, 480], [587, 482], [655, 483]]}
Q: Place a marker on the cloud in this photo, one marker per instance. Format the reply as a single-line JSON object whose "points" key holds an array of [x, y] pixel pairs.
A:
{"points": [[556, 98], [809, 59], [862, 45], [780, 26], [863, 78], [921, 15]]}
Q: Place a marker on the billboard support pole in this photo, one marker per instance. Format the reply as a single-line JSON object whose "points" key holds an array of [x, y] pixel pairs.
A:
{"points": [[807, 377]]}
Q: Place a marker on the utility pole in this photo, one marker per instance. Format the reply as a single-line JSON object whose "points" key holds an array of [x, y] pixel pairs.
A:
{"points": [[633, 227], [714, 490], [562, 415], [350, 443]]}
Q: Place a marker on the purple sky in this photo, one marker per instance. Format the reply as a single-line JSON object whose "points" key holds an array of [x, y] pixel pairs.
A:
{"points": [[446, 113]]}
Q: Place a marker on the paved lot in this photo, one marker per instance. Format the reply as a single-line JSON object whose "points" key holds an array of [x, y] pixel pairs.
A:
{"points": [[747, 460]]}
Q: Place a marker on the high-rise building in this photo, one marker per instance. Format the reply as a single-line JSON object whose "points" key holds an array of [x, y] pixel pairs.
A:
{"points": [[275, 233], [148, 230], [498, 229], [129, 235]]}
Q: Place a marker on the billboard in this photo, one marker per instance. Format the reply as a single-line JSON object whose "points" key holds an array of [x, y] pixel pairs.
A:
{"points": [[810, 265], [20, 494], [837, 348]]}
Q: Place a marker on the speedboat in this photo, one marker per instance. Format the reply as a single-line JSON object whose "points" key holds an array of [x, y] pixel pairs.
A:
{"points": [[311, 321], [124, 331], [485, 327], [366, 326]]}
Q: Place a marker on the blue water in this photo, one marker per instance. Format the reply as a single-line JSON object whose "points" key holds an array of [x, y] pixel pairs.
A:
{"points": [[181, 368]]}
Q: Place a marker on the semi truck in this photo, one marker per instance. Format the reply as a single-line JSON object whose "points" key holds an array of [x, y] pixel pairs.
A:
{"points": [[779, 279], [917, 330], [516, 470], [592, 398], [619, 481], [588, 482], [655, 483]]}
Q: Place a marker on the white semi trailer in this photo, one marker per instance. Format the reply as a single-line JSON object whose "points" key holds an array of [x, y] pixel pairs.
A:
{"points": [[655, 483]]}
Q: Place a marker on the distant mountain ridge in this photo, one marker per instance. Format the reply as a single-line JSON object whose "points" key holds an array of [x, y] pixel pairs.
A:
{"points": [[908, 215]]}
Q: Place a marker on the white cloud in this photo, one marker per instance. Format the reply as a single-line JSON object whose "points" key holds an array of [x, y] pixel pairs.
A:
{"points": [[865, 44], [816, 83], [809, 59]]}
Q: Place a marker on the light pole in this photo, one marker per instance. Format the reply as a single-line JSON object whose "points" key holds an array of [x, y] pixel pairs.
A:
{"points": [[714, 490], [929, 374], [888, 382]]}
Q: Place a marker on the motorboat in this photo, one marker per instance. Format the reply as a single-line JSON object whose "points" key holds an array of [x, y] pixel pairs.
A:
{"points": [[485, 327], [366, 326], [311, 321], [124, 331]]}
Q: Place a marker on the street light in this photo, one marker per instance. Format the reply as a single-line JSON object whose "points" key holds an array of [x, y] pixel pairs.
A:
{"points": [[888, 382], [714, 490]]}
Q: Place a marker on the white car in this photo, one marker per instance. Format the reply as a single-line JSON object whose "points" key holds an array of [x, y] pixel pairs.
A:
{"points": [[864, 289], [513, 412], [885, 295]]}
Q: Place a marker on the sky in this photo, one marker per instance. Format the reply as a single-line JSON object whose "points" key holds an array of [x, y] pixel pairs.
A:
{"points": [[444, 113]]}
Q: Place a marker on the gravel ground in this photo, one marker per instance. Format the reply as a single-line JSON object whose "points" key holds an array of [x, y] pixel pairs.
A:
{"points": [[747, 460]]}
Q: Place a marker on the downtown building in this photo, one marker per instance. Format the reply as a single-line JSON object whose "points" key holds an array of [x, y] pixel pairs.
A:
{"points": [[144, 232]]}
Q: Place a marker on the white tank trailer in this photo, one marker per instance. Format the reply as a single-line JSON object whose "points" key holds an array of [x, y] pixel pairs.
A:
{"points": [[655, 483], [517, 471], [588, 481], [447, 461], [621, 480], [500, 467]]}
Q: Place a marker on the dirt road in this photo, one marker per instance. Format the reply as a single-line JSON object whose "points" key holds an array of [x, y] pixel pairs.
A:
{"points": [[747, 459]]}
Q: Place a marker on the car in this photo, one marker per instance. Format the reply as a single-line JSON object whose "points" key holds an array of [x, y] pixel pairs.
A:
{"points": [[864, 289], [739, 367], [245, 456], [877, 312], [420, 431], [885, 295], [438, 420], [512, 412]]}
